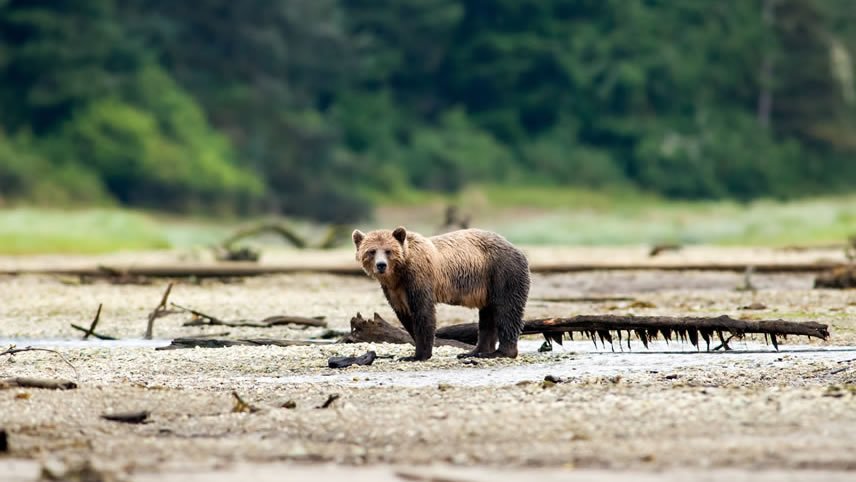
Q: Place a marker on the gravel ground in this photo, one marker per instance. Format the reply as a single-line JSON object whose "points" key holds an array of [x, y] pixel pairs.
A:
{"points": [[665, 409]]}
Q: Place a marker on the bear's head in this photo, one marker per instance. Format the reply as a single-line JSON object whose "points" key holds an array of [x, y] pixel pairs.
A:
{"points": [[381, 253]]}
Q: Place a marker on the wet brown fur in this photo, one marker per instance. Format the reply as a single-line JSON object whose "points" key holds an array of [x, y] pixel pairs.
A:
{"points": [[471, 268]]}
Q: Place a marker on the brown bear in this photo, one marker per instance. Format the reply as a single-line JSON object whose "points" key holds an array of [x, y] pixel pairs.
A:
{"points": [[470, 267]]}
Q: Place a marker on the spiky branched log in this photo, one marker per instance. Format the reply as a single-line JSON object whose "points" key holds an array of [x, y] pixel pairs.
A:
{"points": [[608, 328]]}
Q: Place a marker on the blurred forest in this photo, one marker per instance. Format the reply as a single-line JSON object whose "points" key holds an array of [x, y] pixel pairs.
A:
{"points": [[313, 108]]}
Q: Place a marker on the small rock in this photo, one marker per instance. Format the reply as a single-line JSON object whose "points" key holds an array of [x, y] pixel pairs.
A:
{"points": [[291, 404], [553, 379], [345, 361], [754, 306], [443, 387], [4, 441]]}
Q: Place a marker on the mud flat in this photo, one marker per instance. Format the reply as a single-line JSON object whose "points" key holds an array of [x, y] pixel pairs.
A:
{"points": [[669, 411]]}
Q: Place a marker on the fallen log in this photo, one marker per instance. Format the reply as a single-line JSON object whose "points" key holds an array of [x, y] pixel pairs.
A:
{"points": [[602, 327], [583, 299], [24, 382], [203, 319], [377, 330], [842, 277], [205, 342], [136, 417]]}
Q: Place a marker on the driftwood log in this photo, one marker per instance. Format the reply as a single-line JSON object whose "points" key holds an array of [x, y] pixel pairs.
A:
{"points": [[24, 382], [206, 342], [602, 327], [377, 330], [842, 277], [136, 417], [203, 319]]}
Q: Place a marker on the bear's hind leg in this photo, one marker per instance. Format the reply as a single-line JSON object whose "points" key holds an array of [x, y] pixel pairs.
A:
{"points": [[509, 323], [488, 335]]}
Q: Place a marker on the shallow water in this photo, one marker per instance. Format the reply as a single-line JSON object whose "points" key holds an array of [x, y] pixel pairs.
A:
{"points": [[580, 360]]}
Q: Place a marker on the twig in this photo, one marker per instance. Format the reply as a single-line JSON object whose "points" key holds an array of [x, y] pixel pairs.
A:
{"points": [[94, 333], [724, 342], [157, 312], [241, 405], [94, 322], [330, 399], [11, 351]]}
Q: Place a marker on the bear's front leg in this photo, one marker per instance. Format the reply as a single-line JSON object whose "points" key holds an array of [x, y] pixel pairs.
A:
{"points": [[423, 322]]}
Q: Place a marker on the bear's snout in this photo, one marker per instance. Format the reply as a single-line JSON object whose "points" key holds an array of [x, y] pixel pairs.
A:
{"points": [[381, 267]]}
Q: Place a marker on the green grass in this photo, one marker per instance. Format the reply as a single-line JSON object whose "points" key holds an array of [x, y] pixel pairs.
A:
{"points": [[526, 215], [32, 230], [761, 223]]}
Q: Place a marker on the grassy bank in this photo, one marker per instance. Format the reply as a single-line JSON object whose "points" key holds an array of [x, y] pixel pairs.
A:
{"points": [[524, 215]]}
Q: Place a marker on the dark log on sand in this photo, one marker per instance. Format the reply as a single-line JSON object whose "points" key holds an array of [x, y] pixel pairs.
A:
{"points": [[137, 417], [842, 277], [203, 319], [205, 342], [602, 327], [377, 330], [24, 382]]}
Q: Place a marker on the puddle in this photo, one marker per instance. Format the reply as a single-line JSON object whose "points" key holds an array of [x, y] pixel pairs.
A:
{"points": [[586, 361], [95, 343]]}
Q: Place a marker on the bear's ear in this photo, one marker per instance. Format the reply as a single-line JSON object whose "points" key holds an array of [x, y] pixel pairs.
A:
{"points": [[400, 234], [357, 236]]}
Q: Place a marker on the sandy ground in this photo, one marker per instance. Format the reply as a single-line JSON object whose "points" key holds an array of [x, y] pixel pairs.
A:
{"points": [[624, 414]]}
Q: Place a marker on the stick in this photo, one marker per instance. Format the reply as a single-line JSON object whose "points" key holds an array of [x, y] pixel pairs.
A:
{"points": [[330, 399], [24, 382], [94, 322], [11, 351], [93, 333], [157, 312], [241, 405]]}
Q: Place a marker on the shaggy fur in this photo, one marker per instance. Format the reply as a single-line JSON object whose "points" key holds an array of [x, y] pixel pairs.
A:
{"points": [[471, 267]]}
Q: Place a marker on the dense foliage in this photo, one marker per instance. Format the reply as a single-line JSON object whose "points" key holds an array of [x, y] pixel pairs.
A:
{"points": [[308, 107]]}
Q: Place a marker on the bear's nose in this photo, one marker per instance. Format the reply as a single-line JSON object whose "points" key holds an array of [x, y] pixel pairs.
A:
{"points": [[381, 266]]}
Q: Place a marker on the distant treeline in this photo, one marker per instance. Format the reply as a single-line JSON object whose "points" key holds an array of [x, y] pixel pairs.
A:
{"points": [[310, 107]]}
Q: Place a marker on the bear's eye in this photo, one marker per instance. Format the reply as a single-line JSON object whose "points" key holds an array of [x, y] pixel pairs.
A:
{"points": [[372, 252], [388, 252]]}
